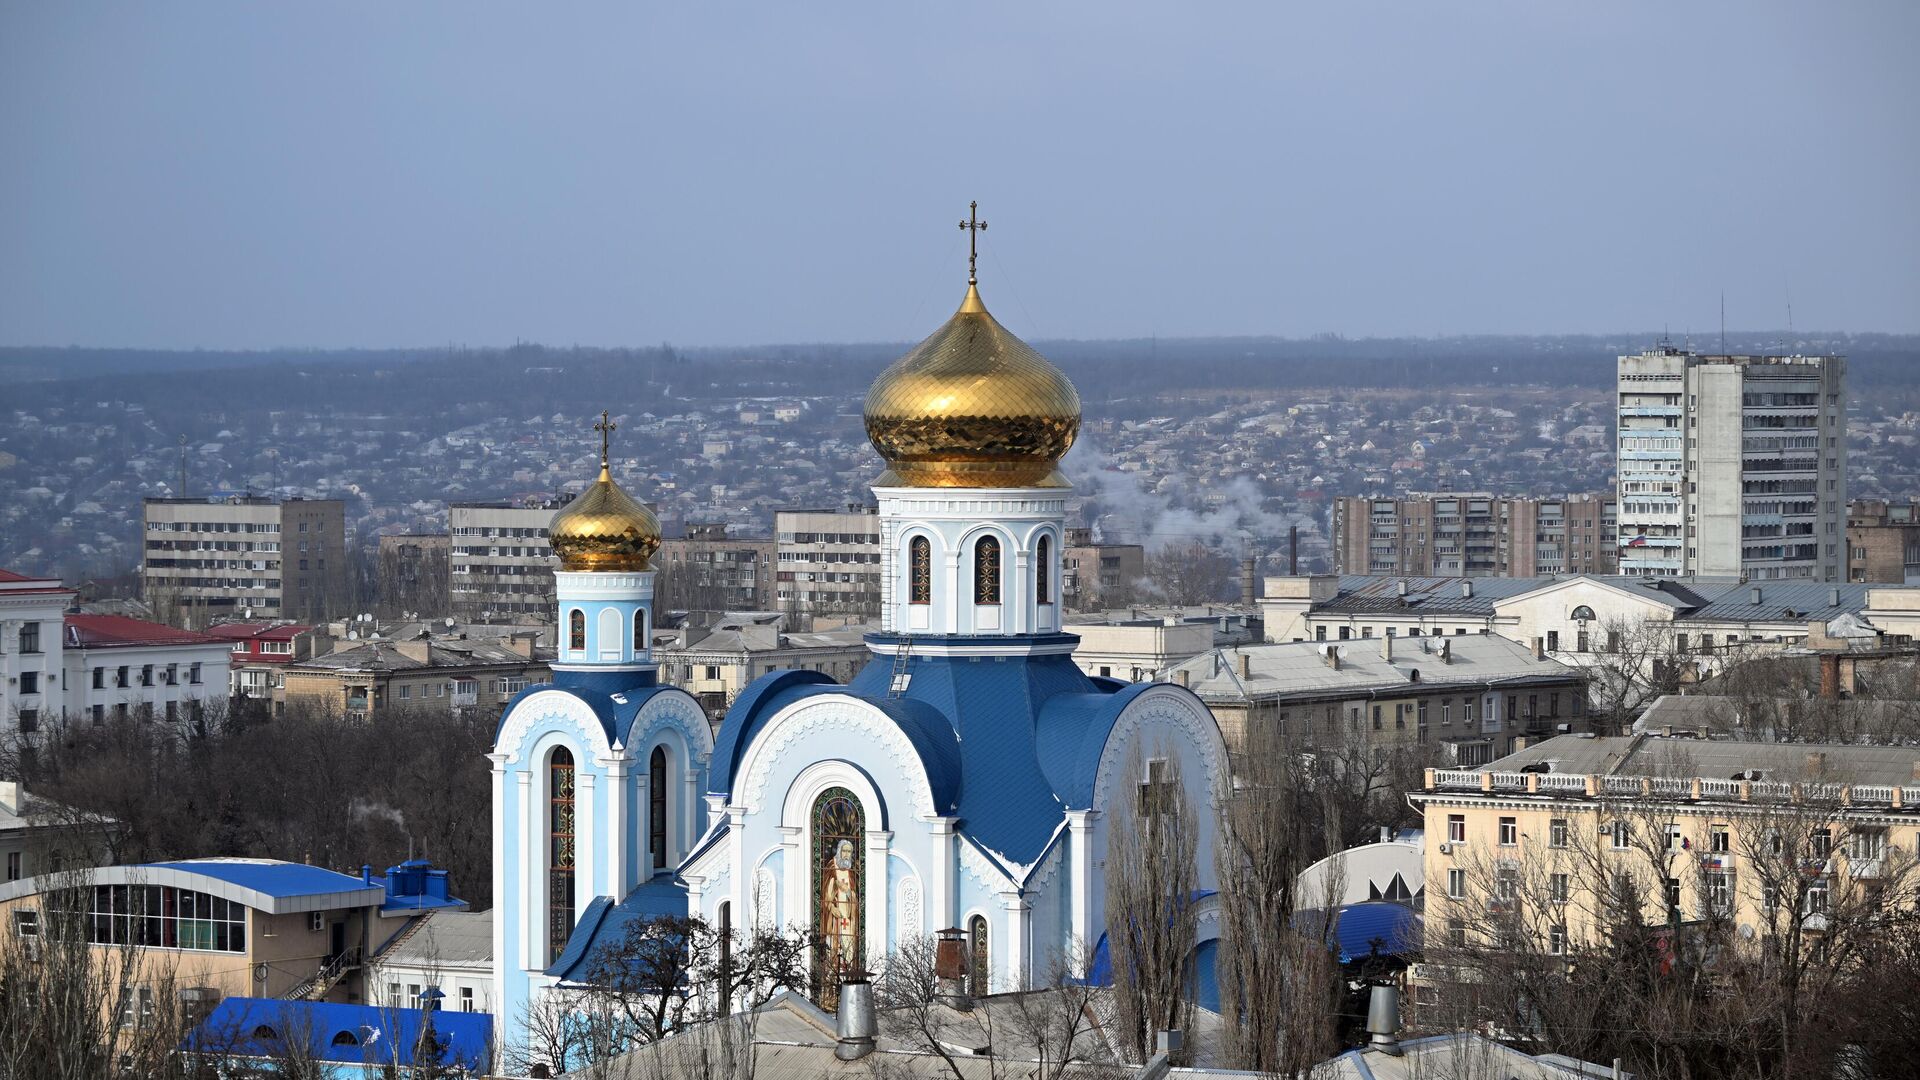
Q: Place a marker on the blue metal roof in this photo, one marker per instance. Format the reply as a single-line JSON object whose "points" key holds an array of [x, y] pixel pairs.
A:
{"points": [[600, 703], [268, 877], [1071, 734], [605, 923], [1360, 929], [364, 1035], [762, 698], [606, 682]]}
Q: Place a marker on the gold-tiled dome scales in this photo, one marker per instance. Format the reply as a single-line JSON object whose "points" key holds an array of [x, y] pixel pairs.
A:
{"points": [[604, 528], [972, 406]]}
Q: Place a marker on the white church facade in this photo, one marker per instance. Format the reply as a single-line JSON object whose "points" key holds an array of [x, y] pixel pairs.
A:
{"points": [[965, 778]]}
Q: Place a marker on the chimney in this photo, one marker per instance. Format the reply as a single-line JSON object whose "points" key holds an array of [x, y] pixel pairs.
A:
{"points": [[1756, 596], [1180, 676], [419, 651], [1333, 657], [1816, 761], [1293, 551], [1383, 1020], [1446, 651], [1833, 597], [1400, 587], [950, 969], [1246, 666], [366, 874], [1916, 772], [1466, 590], [1386, 648], [854, 1022], [1248, 592], [1539, 648]]}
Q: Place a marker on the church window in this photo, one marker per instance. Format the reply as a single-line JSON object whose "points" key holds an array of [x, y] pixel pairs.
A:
{"points": [[559, 851], [641, 643], [839, 887], [978, 965], [1158, 791], [657, 807], [1043, 571], [986, 571], [920, 571], [576, 629]]}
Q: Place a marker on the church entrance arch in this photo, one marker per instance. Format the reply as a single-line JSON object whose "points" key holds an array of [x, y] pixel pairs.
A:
{"points": [[838, 858]]}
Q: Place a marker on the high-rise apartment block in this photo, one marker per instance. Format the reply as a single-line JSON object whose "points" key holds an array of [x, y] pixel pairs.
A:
{"points": [[828, 561], [224, 556], [1474, 535], [500, 565], [1883, 541], [1732, 465], [709, 570]]}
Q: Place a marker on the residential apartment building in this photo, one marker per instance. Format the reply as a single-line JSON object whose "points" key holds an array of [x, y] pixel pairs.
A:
{"points": [[238, 556], [411, 574], [1475, 535], [827, 562], [1772, 836], [1883, 541], [715, 663], [500, 565], [261, 654], [1732, 465], [1473, 697], [120, 667], [428, 672], [708, 570], [31, 614], [1095, 575]]}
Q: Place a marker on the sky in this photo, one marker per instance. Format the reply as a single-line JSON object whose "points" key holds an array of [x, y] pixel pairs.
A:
{"points": [[369, 175]]}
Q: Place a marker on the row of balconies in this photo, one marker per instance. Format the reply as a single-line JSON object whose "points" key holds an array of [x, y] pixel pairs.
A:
{"points": [[1584, 785]]}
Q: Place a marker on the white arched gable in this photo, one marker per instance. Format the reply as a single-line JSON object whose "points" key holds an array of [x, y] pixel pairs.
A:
{"points": [[671, 710], [872, 737], [1047, 529], [796, 809], [1170, 709], [552, 710]]}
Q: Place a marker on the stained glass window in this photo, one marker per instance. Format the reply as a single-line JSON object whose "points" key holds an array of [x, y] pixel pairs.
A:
{"points": [[640, 642], [1043, 571], [839, 889], [986, 571], [559, 851], [576, 629], [978, 965], [657, 807], [920, 571]]}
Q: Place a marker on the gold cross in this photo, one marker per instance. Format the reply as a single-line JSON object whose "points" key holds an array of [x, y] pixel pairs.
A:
{"points": [[974, 227], [605, 428]]}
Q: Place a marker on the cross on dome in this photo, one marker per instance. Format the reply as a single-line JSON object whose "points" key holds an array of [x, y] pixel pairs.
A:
{"points": [[974, 227]]}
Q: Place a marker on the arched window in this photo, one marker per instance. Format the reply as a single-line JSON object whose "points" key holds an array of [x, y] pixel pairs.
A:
{"points": [[641, 642], [839, 856], [1043, 570], [920, 571], [559, 850], [657, 807], [1583, 613], [986, 571], [576, 629], [978, 962], [345, 1038]]}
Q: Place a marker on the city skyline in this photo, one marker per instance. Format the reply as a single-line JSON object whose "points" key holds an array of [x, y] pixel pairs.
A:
{"points": [[603, 177]]}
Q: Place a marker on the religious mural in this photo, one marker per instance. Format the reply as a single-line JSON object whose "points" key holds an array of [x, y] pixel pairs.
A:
{"points": [[839, 888]]}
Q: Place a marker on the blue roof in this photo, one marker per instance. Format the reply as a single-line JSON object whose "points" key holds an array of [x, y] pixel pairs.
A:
{"points": [[1360, 929], [605, 923], [1072, 734], [345, 1034], [762, 698], [600, 703], [269, 877]]}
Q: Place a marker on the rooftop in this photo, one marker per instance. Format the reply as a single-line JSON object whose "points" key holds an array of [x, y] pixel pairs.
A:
{"points": [[1658, 756], [452, 938], [1698, 598], [264, 884], [119, 631], [1302, 667], [385, 655]]}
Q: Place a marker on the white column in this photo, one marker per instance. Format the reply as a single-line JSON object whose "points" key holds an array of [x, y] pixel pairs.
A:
{"points": [[737, 837], [1080, 877], [879, 894], [958, 592], [584, 861], [643, 822], [618, 872], [889, 565], [1017, 946], [533, 868], [1018, 597], [500, 870], [939, 898], [683, 822], [795, 875]]}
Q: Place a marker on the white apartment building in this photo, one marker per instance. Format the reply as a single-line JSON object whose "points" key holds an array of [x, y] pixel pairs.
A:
{"points": [[828, 561], [116, 666], [499, 564], [30, 677], [1732, 466], [241, 556]]}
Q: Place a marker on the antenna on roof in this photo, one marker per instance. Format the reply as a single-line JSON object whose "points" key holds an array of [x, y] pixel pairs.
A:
{"points": [[1723, 322], [183, 466]]}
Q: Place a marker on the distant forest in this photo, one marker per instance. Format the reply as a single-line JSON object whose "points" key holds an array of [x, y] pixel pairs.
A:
{"points": [[532, 378]]}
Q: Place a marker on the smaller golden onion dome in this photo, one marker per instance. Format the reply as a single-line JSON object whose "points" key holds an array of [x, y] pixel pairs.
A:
{"points": [[604, 528], [972, 406]]}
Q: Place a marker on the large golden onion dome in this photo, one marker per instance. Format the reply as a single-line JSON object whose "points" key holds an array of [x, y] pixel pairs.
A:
{"points": [[972, 406], [604, 528]]}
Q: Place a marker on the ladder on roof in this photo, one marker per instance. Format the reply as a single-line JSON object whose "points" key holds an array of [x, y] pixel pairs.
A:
{"points": [[897, 684]]}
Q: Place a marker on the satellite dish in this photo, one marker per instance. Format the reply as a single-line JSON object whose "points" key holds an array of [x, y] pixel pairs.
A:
{"points": [[449, 622], [1746, 931], [353, 635]]}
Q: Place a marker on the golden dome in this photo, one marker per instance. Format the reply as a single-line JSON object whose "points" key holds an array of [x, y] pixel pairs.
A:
{"points": [[972, 406], [604, 528]]}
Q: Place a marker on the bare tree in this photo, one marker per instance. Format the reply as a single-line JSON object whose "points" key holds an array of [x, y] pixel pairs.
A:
{"points": [[1151, 876], [1184, 574], [1639, 660]]}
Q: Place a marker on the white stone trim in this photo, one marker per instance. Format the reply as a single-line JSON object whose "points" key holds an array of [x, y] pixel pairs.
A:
{"points": [[551, 706], [1173, 707], [935, 649], [865, 725]]}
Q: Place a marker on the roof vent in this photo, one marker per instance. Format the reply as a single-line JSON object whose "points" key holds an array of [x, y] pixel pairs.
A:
{"points": [[854, 1021], [1466, 590], [1383, 1020], [1400, 588], [1833, 597], [1756, 596]]}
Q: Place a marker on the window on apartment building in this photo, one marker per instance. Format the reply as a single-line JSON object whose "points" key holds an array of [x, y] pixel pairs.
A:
{"points": [[1557, 888], [1558, 832], [1553, 641], [1346, 633], [1720, 892], [1816, 902], [466, 999], [1456, 828], [1509, 832], [1446, 712], [1421, 713], [30, 637], [1718, 842], [1457, 884], [1580, 643], [1319, 633], [193, 675], [1613, 641], [1376, 718], [1621, 835], [1466, 711], [1822, 841], [1506, 882], [1673, 893], [99, 714], [1867, 844], [1457, 933], [99, 678], [1557, 940], [13, 874], [1366, 631], [29, 682], [146, 675], [986, 571]]}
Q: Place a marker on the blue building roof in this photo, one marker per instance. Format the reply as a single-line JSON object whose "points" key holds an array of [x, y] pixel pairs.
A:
{"points": [[605, 923], [269, 877], [1359, 930], [364, 1035]]}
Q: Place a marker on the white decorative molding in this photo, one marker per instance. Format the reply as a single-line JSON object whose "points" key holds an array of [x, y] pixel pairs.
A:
{"points": [[1171, 707], [912, 924], [675, 708], [976, 864], [1041, 880], [556, 708], [765, 911], [864, 727], [930, 648]]}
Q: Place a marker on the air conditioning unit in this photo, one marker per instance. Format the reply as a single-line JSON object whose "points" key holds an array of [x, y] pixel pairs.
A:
{"points": [[1446, 849]]}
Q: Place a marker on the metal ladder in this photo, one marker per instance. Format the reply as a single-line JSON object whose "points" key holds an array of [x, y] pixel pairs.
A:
{"points": [[897, 683]]}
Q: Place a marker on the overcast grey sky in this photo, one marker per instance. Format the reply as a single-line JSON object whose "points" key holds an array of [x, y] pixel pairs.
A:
{"points": [[242, 175]]}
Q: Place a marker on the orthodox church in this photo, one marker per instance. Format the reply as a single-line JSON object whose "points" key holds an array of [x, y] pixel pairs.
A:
{"points": [[962, 779]]}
